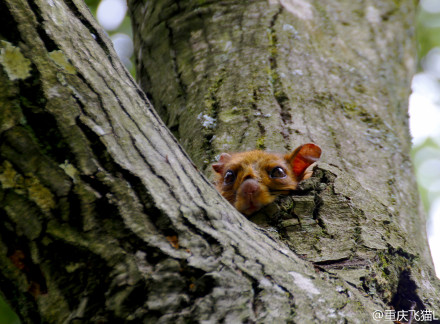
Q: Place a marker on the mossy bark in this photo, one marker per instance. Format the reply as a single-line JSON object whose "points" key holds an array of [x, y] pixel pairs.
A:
{"points": [[105, 219], [232, 76]]}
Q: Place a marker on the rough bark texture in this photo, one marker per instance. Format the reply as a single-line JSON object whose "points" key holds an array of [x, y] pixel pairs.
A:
{"points": [[105, 219], [239, 75]]}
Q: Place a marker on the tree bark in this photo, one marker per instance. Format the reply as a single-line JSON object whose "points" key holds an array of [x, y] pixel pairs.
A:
{"points": [[105, 219], [273, 75]]}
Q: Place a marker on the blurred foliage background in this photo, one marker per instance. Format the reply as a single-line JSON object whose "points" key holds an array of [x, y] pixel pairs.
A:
{"points": [[112, 16], [424, 110], [424, 106]]}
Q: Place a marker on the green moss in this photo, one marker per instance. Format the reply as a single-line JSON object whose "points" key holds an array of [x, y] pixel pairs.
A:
{"points": [[353, 110], [350, 109], [28, 185], [273, 51], [211, 101], [8, 176], [208, 118], [231, 115], [14, 63], [60, 60], [40, 194], [260, 143], [382, 258], [72, 267], [69, 169], [383, 265], [272, 36]]}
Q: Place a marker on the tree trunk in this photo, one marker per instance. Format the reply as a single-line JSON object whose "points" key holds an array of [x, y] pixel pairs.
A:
{"points": [[273, 75], [105, 219]]}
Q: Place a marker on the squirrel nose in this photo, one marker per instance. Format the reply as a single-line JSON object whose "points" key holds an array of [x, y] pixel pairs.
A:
{"points": [[250, 187]]}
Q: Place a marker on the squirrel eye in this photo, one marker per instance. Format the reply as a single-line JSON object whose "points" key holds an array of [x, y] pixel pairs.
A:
{"points": [[277, 173], [229, 177]]}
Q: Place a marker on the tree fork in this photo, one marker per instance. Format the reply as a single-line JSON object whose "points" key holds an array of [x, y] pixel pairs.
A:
{"points": [[292, 72], [106, 219]]}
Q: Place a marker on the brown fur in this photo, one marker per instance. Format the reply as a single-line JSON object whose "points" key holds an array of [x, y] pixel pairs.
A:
{"points": [[253, 186]]}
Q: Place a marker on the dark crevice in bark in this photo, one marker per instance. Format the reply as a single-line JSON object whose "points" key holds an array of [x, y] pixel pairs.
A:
{"points": [[73, 211], [174, 173], [260, 145], [255, 285], [93, 31], [8, 26], [148, 200], [23, 207], [215, 246], [240, 43], [91, 277], [107, 162], [391, 272], [316, 190], [44, 127], [357, 235], [198, 282], [19, 255], [146, 96], [19, 148], [129, 305], [23, 304], [41, 124], [343, 263], [82, 106], [153, 254], [399, 252], [257, 304], [116, 97], [177, 75], [162, 223], [275, 79], [48, 42], [212, 102], [97, 147], [244, 130], [406, 297], [183, 285], [318, 201], [104, 209]]}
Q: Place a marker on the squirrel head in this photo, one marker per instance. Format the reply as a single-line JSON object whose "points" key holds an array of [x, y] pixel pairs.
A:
{"points": [[251, 180]]}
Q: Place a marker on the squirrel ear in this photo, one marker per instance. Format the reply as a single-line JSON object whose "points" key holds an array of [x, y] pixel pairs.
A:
{"points": [[302, 157], [218, 167]]}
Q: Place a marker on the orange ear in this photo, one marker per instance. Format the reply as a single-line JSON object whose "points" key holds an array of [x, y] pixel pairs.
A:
{"points": [[218, 167], [302, 157]]}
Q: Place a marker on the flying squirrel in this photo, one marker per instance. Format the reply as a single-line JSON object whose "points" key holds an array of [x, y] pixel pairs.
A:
{"points": [[254, 179]]}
